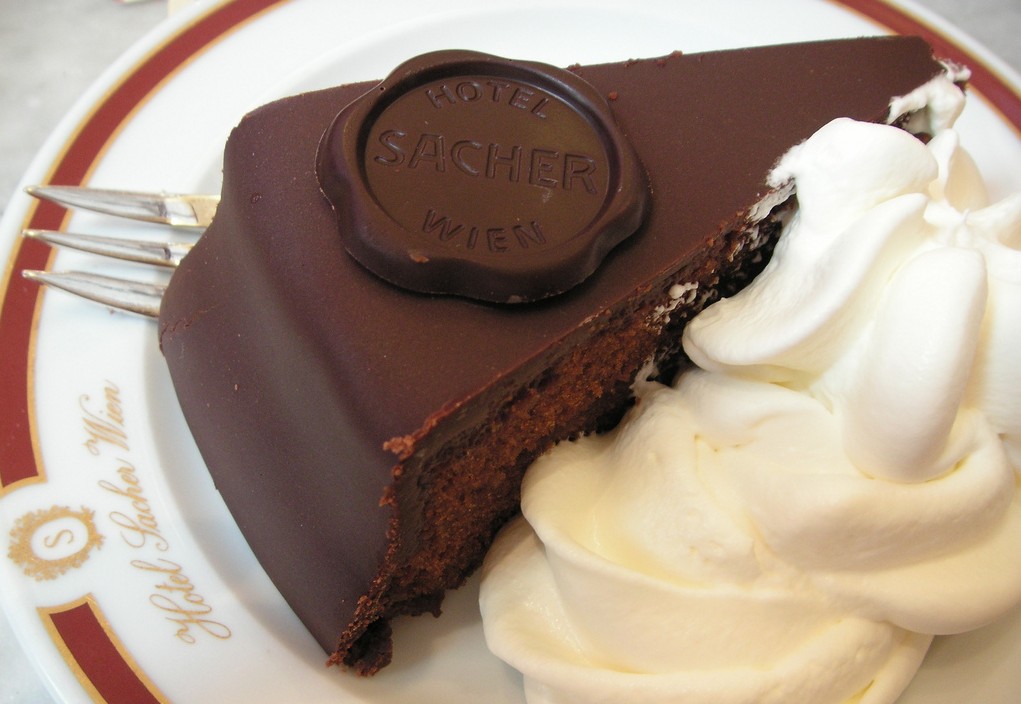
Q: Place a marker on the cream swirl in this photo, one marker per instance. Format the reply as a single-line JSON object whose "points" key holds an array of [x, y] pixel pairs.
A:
{"points": [[835, 483]]}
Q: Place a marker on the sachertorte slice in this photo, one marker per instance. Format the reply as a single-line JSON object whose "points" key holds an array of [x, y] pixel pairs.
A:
{"points": [[368, 427]]}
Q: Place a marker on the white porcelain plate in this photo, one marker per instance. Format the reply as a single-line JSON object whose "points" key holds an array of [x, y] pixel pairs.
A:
{"points": [[123, 573]]}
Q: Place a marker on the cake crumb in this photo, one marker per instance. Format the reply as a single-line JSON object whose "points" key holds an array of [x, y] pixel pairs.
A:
{"points": [[402, 446], [662, 61]]}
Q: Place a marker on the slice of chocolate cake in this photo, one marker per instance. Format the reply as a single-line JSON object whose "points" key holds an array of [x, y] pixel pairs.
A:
{"points": [[367, 383]]}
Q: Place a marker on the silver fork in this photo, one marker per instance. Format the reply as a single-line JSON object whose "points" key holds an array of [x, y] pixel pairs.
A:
{"points": [[176, 210]]}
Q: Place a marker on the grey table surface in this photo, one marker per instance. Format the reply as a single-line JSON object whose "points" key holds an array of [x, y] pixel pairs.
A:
{"points": [[52, 50]]}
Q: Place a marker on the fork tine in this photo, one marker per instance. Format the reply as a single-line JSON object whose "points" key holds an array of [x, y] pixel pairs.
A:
{"points": [[167, 254], [180, 210], [121, 294]]}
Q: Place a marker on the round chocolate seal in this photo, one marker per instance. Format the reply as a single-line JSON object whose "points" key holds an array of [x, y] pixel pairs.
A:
{"points": [[464, 173]]}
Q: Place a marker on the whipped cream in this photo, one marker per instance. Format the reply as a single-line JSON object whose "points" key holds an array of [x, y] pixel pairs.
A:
{"points": [[837, 480]]}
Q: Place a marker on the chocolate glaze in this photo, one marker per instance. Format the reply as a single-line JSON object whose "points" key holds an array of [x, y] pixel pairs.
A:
{"points": [[320, 394]]}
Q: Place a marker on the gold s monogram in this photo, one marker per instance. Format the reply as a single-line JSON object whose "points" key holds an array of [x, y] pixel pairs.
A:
{"points": [[49, 542]]}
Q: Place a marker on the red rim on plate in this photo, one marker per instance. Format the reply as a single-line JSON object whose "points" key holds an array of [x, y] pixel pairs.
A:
{"points": [[79, 630]]}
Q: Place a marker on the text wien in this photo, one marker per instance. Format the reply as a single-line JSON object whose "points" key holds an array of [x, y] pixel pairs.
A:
{"points": [[495, 239]]}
